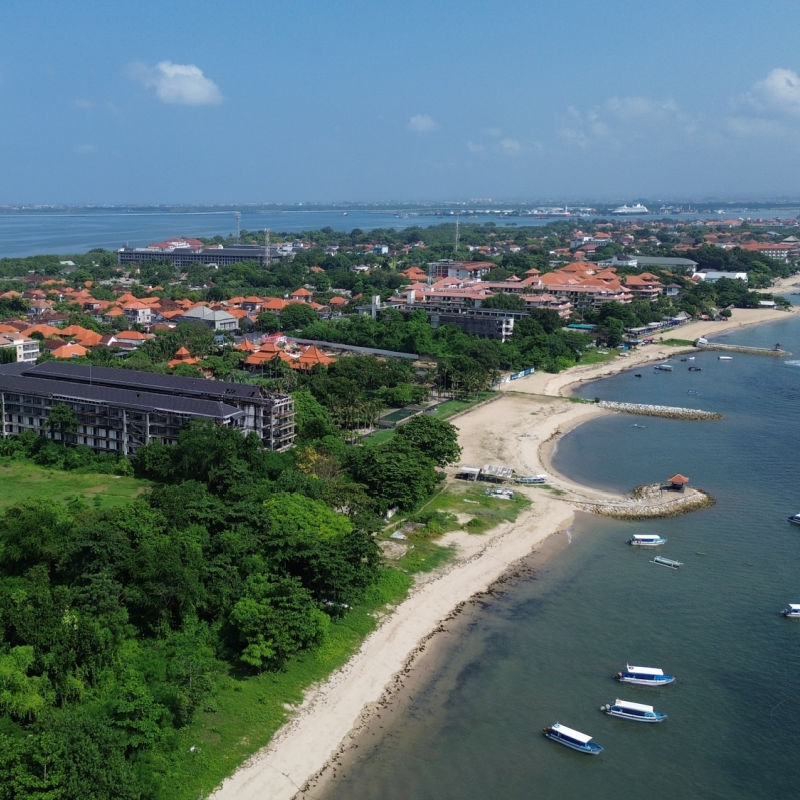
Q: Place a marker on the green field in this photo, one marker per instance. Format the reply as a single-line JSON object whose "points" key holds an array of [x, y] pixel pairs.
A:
{"points": [[23, 480]]}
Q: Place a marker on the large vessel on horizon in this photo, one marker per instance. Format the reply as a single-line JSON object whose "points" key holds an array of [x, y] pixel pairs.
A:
{"points": [[636, 208]]}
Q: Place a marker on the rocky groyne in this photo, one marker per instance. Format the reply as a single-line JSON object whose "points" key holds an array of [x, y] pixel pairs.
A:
{"points": [[651, 502], [671, 412]]}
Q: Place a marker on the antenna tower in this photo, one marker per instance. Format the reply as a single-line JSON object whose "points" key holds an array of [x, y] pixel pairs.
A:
{"points": [[267, 254], [455, 246], [238, 215]]}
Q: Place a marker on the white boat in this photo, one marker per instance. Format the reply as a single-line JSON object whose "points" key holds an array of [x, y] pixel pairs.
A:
{"points": [[636, 208], [666, 562], [644, 676], [646, 540], [572, 738], [794, 519], [664, 367], [725, 358], [792, 610], [638, 712]]}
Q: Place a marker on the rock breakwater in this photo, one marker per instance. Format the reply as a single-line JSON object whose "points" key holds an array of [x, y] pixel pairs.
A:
{"points": [[671, 412]]}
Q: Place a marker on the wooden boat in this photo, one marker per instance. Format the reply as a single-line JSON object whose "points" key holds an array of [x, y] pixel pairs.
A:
{"points": [[572, 738], [646, 540], [638, 712], [644, 676], [666, 562]]}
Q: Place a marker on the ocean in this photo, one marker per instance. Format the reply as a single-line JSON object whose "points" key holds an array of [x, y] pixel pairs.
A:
{"points": [[544, 647], [30, 232], [35, 232]]}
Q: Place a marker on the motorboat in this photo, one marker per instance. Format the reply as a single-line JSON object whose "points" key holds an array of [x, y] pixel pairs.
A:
{"points": [[644, 676], [664, 367], [792, 610], [666, 562], [794, 519], [725, 358], [638, 712], [572, 738], [646, 540]]}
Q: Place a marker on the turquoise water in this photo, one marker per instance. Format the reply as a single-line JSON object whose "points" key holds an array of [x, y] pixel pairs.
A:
{"points": [[546, 647]]}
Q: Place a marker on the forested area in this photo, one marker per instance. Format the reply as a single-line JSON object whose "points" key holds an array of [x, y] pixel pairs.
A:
{"points": [[117, 623]]}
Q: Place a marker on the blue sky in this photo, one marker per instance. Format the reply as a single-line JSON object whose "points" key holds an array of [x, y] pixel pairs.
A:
{"points": [[183, 101]]}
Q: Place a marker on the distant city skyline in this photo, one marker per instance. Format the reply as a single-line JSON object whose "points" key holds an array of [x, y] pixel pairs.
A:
{"points": [[365, 102]]}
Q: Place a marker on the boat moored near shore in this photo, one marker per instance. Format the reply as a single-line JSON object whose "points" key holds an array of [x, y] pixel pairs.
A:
{"points": [[572, 738], [646, 540], [638, 712], [644, 676]]}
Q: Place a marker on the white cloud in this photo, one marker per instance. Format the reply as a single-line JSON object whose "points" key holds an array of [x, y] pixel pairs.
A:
{"points": [[641, 108], [511, 147], [421, 123], [495, 132], [82, 102], [475, 147], [85, 149], [755, 127], [779, 91], [180, 84]]}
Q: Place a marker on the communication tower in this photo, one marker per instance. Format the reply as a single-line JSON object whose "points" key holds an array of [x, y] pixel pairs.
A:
{"points": [[267, 254]]}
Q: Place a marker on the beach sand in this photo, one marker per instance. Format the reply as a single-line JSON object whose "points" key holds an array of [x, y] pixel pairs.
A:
{"points": [[519, 430]]}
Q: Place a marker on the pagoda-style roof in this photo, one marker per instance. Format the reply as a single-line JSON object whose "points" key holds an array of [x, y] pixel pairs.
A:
{"points": [[678, 478]]}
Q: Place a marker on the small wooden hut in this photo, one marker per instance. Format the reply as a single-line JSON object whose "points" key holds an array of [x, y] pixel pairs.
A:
{"points": [[677, 483]]}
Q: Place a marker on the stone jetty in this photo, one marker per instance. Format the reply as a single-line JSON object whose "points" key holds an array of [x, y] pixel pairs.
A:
{"points": [[671, 412], [652, 501]]}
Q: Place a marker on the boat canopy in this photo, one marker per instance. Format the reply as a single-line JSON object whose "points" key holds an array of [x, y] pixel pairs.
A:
{"points": [[645, 670], [571, 733], [794, 606], [645, 536], [632, 706]]}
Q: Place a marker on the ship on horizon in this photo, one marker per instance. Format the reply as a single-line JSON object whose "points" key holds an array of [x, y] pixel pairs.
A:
{"points": [[636, 208]]}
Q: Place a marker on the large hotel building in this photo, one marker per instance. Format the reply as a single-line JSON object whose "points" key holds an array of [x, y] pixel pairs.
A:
{"points": [[119, 410]]}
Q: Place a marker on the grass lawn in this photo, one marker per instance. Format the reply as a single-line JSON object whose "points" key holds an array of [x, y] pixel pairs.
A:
{"points": [[23, 480]]}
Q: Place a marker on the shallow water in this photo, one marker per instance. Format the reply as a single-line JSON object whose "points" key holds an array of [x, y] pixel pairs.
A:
{"points": [[546, 648]]}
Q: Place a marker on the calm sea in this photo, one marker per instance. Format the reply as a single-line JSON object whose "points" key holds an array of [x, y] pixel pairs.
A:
{"points": [[28, 233], [545, 649], [64, 232]]}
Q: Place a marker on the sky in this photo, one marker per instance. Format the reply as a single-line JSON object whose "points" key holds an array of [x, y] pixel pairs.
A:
{"points": [[323, 101]]}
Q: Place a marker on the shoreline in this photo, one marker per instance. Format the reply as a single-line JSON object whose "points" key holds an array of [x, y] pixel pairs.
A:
{"points": [[304, 753]]}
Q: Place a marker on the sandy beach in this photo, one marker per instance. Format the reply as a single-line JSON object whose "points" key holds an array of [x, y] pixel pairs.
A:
{"points": [[519, 430]]}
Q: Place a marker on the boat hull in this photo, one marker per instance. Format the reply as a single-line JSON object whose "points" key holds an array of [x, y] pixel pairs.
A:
{"points": [[656, 717], [658, 680]]}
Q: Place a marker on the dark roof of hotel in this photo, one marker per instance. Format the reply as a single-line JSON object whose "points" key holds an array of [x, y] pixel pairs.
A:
{"points": [[64, 371], [12, 380]]}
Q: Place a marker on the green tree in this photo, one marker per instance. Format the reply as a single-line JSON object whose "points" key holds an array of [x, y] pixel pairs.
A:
{"points": [[62, 420], [435, 438], [276, 618]]}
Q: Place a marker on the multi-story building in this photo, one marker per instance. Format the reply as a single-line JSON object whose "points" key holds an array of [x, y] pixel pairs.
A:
{"points": [[26, 350], [119, 411]]}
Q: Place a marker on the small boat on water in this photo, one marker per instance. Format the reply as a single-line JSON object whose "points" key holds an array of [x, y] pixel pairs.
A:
{"points": [[638, 712], [695, 369], [644, 676], [792, 610], [646, 540], [572, 738], [725, 358], [664, 367], [794, 519], [666, 562], [636, 425]]}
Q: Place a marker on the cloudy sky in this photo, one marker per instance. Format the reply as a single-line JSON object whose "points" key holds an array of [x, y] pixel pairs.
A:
{"points": [[370, 100]]}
